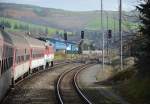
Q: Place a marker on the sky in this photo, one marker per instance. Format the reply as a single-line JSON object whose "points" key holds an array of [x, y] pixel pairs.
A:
{"points": [[78, 5]]}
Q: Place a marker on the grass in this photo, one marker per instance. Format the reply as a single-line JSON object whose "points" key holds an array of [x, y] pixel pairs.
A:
{"points": [[62, 56], [122, 75], [104, 74], [134, 89], [127, 83]]}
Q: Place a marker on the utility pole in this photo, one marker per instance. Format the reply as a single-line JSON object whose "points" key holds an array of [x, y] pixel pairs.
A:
{"points": [[114, 30], [120, 33], [107, 38], [103, 51], [107, 21]]}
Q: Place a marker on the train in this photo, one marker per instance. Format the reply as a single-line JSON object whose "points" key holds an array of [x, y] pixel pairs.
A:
{"points": [[21, 56]]}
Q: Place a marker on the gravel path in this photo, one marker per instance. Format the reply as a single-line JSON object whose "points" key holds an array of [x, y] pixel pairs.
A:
{"points": [[38, 90], [98, 94]]}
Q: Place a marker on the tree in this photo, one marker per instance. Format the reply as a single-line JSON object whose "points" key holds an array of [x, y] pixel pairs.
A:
{"points": [[8, 24], [16, 26], [143, 40]]}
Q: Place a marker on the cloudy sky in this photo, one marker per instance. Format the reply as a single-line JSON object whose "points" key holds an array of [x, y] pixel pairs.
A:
{"points": [[78, 5]]}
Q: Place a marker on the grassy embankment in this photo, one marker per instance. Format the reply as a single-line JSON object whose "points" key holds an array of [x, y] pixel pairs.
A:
{"points": [[127, 83], [134, 89]]}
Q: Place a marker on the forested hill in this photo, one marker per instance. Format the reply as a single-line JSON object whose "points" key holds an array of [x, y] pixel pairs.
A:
{"points": [[57, 18]]}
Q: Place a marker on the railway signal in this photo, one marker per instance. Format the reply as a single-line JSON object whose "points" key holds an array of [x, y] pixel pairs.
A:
{"points": [[2, 27], [82, 34], [109, 34], [65, 35]]}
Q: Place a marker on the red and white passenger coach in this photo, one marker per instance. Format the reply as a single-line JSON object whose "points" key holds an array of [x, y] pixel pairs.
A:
{"points": [[20, 56]]}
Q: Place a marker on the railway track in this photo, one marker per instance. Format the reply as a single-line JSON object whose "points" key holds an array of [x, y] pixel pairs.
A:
{"points": [[37, 88], [67, 88]]}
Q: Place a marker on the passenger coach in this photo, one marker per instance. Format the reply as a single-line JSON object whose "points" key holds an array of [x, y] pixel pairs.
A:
{"points": [[6, 61], [20, 56]]}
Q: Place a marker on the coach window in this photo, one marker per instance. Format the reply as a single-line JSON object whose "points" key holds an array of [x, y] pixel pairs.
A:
{"points": [[22, 58], [18, 59], [1, 52], [0, 68], [10, 51], [27, 57], [11, 61], [25, 50], [8, 62], [3, 66], [6, 52], [7, 65]]}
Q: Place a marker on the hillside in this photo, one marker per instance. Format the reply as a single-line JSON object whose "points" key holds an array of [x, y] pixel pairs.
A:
{"points": [[56, 18]]}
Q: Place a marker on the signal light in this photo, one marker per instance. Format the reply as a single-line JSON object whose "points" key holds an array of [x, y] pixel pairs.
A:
{"points": [[109, 34], [65, 36], [82, 34]]}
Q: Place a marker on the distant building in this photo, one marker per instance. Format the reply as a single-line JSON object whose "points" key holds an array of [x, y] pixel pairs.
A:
{"points": [[62, 45]]}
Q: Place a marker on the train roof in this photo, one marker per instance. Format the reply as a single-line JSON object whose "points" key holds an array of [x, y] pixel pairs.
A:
{"points": [[35, 43], [4, 36], [32, 42], [18, 40]]}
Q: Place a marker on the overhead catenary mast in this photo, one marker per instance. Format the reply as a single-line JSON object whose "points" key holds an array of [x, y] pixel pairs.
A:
{"points": [[114, 29], [120, 33], [102, 29]]}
